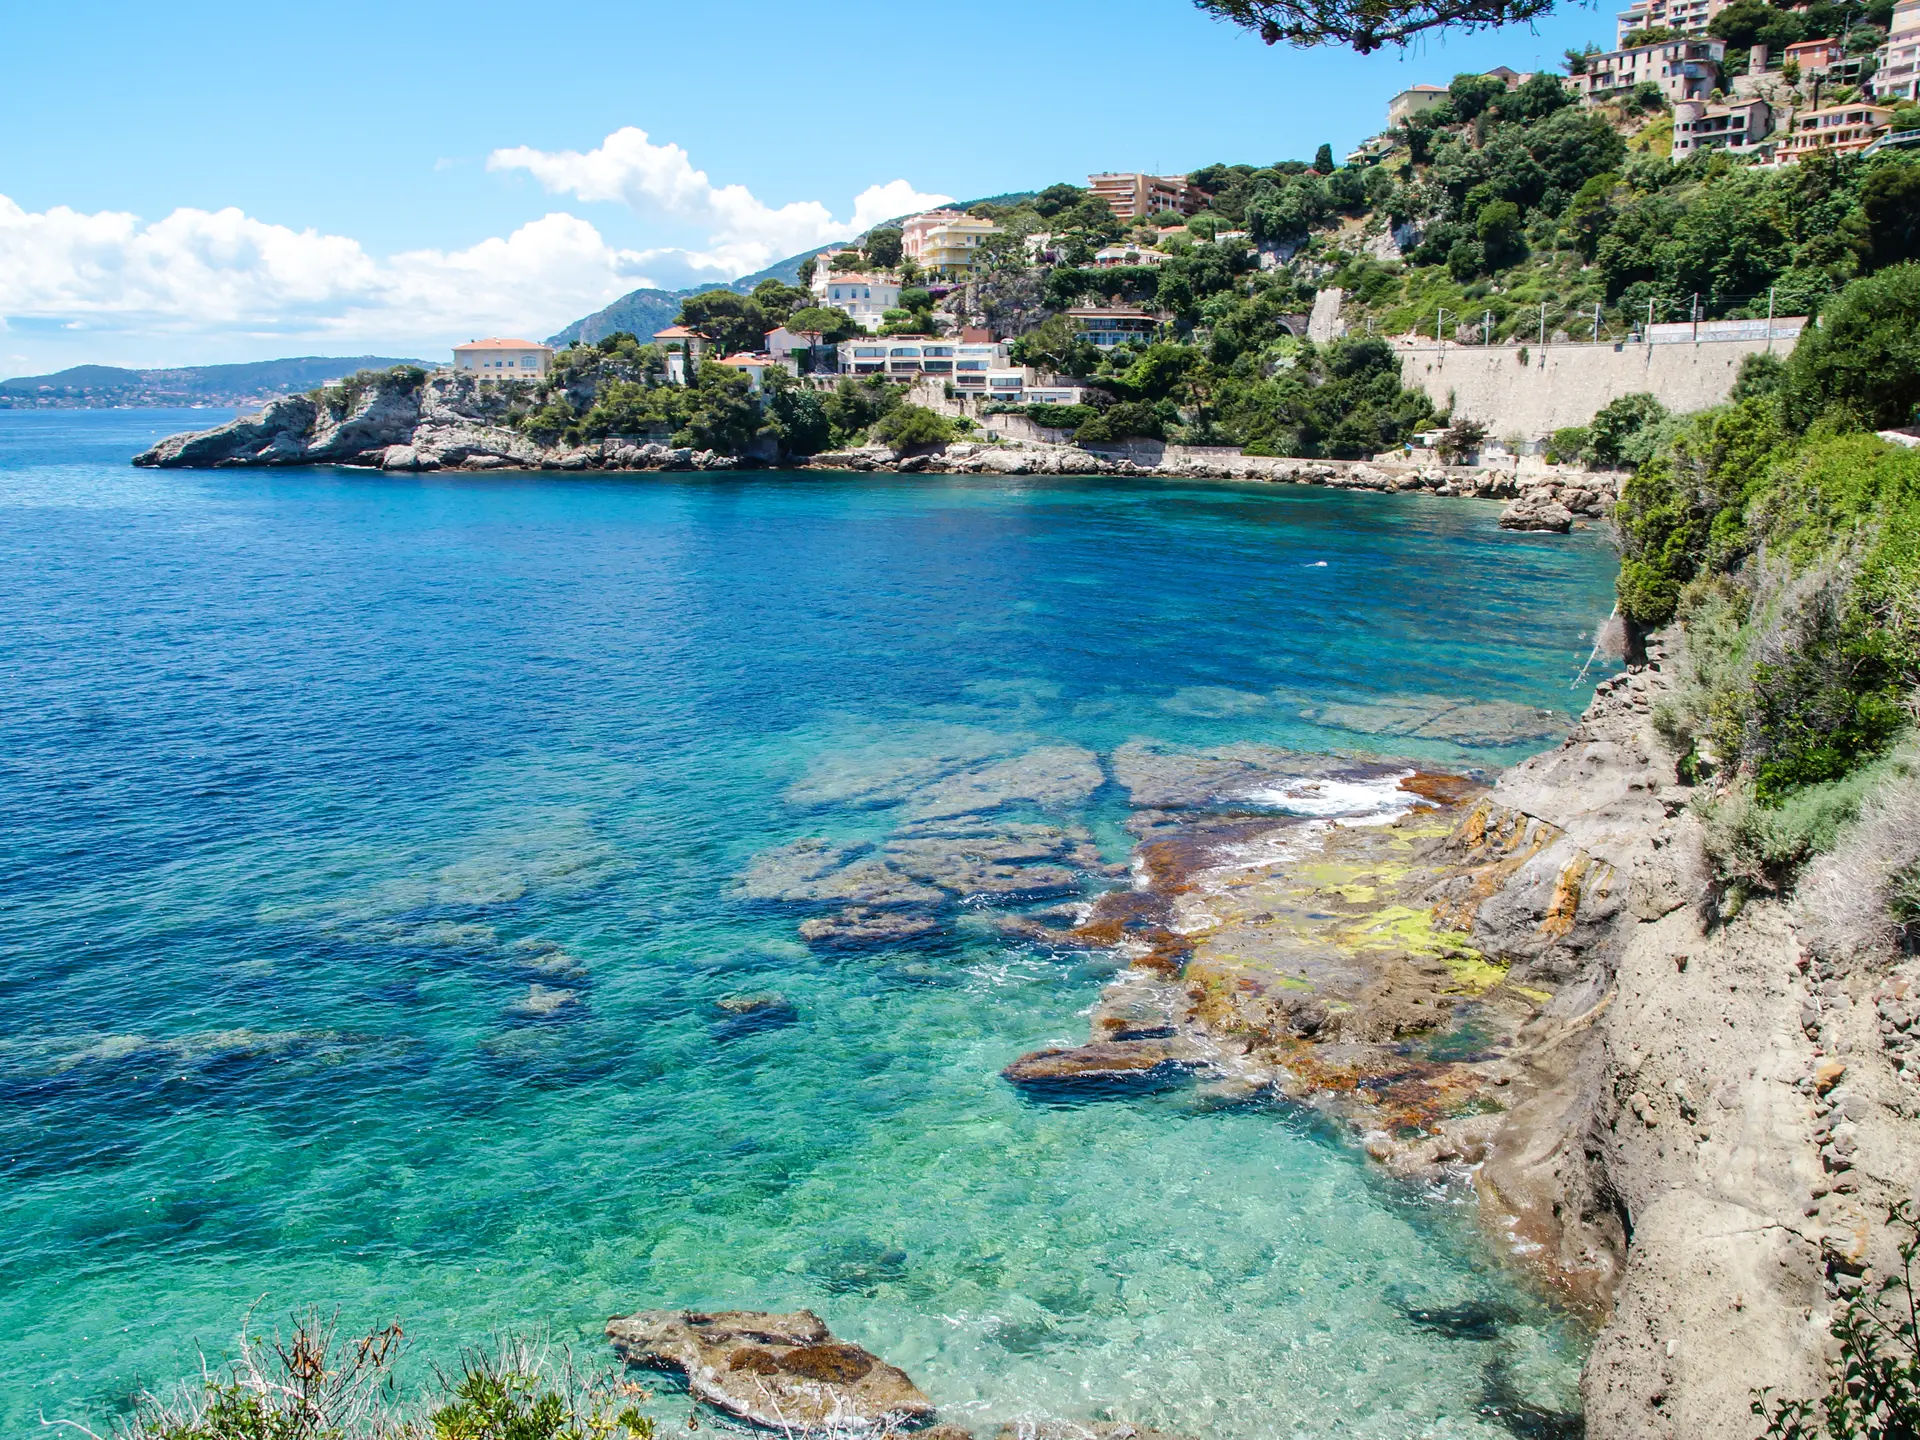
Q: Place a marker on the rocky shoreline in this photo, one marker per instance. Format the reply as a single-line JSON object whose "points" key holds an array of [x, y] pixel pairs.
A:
{"points": [[1687, 1127], [448, 421]]}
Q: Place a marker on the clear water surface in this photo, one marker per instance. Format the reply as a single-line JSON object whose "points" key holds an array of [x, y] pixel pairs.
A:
{"points": [[301, 771]]}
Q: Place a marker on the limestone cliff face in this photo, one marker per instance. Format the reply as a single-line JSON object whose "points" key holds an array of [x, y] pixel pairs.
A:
{"points": [[1674, 1154], [441, 422]]}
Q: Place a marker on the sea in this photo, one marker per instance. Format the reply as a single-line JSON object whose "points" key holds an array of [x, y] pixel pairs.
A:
{"points": [[372, 939]]}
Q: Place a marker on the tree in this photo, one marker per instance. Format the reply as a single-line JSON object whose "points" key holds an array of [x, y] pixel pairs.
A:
{"points": [[1618, 424], [1890, 215], [1862, 362], [909, 425], [1577, 60], [1323, 160], [1366, 25], [798, 416], [1503, 235], [779, 299], [1470, 95], [809, 267], [731, 320], [724, 415], [829, 322], [883, 248], [1648, 35]]}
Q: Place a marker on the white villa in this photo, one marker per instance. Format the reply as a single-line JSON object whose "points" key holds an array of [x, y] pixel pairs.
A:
{"points": [[498, 359], [863, 296]]}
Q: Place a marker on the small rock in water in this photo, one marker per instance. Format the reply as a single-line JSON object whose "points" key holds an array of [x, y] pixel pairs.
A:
{"points": [[784, 1372], [1105, 1067], [751, 1014], [1053, 776]]}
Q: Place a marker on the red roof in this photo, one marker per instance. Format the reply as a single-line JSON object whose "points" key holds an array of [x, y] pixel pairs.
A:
{"points": [[496, 343], [678, 332]]}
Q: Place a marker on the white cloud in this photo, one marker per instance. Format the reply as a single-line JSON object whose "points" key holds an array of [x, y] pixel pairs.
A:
{"points": [[744, 233], [197, 285], [224, 273]]}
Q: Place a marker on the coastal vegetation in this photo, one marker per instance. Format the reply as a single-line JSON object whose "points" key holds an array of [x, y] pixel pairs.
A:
{"points": [[315, 1385], [1782, 534]]}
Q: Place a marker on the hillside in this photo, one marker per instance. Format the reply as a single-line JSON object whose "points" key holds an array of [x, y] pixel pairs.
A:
{"points": [[106, 386]]}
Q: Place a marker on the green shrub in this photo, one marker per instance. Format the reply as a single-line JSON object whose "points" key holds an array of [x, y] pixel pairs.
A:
{"points": [[1861, 364], [1874, 1393], [909, 425], [1061, 417], [311, 1388], [1568, 445]]}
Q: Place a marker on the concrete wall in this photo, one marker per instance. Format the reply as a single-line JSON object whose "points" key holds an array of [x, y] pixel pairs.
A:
{"points": [[1564, 385]]}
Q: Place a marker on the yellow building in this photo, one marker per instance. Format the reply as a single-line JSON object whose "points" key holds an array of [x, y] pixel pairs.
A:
{"points": [[501, 359], [945, 241]]}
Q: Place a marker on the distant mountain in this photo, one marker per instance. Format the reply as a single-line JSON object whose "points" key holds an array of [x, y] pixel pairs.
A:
{"points": [[103, 386]]}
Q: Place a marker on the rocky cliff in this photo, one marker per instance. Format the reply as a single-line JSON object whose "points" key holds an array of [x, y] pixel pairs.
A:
{"points": [[1712, 1124]]}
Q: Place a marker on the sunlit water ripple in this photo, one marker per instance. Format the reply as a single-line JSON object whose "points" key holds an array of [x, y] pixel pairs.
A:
{"points": [[309, 776]]}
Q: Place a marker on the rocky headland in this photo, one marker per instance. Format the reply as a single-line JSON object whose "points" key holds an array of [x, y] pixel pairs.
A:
{"points": [[409, 422]]}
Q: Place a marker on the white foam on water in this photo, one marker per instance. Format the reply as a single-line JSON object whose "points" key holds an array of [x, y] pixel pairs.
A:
{"points": [[1357, 801]]}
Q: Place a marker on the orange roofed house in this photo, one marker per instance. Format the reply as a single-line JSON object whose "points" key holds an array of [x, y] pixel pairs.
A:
{"points": [[500, 359]]}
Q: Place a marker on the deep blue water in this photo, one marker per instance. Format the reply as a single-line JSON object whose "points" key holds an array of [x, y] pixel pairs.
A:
{"points": [[307, 777]]}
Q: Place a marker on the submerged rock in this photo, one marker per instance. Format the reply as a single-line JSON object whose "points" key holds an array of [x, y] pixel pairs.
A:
{"points": [[1441, 717], [1053, 776], [1083, 1430], [785, 1372], [1159, 776], [857, 925]]}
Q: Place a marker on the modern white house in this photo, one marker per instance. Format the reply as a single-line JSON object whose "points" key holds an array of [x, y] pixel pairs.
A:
{"points": [[866, 297], [908, 357], [1108, 326], [503, 359]]}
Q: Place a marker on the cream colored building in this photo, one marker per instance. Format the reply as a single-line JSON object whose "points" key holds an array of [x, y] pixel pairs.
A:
{"points": [[945, 241], [499, 359], [1687, 17], [1839, 128]]}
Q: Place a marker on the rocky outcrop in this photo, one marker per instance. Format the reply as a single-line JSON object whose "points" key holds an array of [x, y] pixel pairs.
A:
{"points": [[784, 1372], [1537, 509], [402, 422]]}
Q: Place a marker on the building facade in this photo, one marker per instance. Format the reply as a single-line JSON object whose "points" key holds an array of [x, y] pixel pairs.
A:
{"points": [[1841, 129], [1414, 100], [1814, 57], [1107, 327], [1739, 126], [967, 363], [945, 241], [1135, 197], [1682, 69], [866, 297], [1684, 17], [1897, 76], [502, 359]]}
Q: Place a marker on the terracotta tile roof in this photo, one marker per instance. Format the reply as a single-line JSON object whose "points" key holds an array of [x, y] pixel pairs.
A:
{"points": [[678, 332], [496, 343]]}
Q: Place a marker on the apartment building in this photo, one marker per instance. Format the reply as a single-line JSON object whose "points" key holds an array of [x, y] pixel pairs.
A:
{"points": [[1739, 126], [1685, 17], [945, 241], [496, 358], [1682, 69], [1135, 197], [1897, 76], [1838, 128]]}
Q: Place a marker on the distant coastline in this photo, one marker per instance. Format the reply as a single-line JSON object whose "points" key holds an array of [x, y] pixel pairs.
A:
{"points": [[109, 387]]}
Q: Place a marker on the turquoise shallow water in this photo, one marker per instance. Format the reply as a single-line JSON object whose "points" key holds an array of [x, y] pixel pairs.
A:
{"points": [[308, 776]]}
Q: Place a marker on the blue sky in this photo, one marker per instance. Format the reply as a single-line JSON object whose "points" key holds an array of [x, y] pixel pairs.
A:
{"points": [[205, 182]]}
